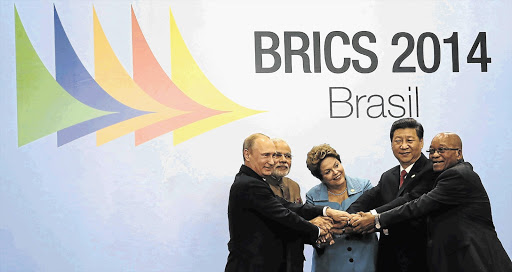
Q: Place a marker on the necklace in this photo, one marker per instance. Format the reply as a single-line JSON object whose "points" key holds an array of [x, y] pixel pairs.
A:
{"points": [[337, 194]]}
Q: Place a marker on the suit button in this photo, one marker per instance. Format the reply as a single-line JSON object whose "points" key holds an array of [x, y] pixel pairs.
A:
{"points": [[351, 260], [349, 248]]}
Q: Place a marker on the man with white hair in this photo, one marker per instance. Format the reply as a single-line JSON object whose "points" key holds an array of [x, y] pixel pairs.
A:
{"points": [[281, 185]]}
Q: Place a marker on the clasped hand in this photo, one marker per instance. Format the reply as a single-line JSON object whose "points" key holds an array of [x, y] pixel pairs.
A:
{"points": [[333, 223], [363, 223], [340, 222]]}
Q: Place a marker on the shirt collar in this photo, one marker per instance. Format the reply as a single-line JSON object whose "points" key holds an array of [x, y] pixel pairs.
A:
{"points": [[408, 169]]}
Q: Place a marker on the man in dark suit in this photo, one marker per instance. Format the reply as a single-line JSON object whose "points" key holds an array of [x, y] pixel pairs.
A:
{"points": [[260, 223], [402, 246], [462, 235]]}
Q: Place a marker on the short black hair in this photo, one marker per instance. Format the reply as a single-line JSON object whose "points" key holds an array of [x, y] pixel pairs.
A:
{"points": [[406, 123]]}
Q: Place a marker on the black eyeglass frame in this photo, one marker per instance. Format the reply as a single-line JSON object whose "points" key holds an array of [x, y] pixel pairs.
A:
{"points": [[440, 150]]}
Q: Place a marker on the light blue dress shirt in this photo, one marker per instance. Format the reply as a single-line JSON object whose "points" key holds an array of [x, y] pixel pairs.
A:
{"points": [[350, 252]]}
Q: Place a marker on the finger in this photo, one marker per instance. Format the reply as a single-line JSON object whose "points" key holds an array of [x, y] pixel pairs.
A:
{"points": [[358, 229], [337, 231]]}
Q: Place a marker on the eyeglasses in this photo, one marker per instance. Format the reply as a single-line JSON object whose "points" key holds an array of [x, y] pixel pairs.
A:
{"points": [[440, 150], [287, 156]]}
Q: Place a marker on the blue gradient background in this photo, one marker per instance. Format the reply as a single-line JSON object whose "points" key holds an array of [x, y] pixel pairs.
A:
{"points": [[158, 207]]}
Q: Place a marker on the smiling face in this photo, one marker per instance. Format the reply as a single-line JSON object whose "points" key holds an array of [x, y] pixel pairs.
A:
{"points": [[283, 160], [333, 173], [447, 159], [406, 146], [260, 156]]}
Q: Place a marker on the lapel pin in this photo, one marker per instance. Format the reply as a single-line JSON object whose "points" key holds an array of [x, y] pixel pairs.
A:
{"points": [[413, 176]]}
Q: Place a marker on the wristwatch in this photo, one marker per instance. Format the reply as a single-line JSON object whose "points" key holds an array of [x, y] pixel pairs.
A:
{"points": [[377, 218], [377, 221]]}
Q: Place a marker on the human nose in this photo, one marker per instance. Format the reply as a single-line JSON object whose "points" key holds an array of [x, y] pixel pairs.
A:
{"points": [[271, 160], [435, 153], [404, 145]]}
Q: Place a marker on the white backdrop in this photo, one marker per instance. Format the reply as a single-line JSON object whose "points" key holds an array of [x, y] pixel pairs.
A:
{"points": [[159, 206]]}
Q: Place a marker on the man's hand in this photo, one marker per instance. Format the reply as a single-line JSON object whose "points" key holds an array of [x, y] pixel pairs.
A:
{"points": [[323, 222], [338, 216], [348, 230], [354, 217], [364, 223], [338, 228], [325, 240]]}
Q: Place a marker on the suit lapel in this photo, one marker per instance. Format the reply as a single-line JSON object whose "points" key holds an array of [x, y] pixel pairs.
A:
{"points": [[411, 176], [396, 180]]}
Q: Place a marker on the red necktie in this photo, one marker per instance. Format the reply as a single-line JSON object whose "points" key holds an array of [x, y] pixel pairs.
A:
{"points": [[402, 175]]}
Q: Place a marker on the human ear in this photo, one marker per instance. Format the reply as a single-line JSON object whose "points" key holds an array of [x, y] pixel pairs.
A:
{"points": [[246, 154]]}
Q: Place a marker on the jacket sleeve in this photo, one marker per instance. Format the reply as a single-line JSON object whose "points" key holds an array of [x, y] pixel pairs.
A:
{"points": [[368, 200], [450, 190], [307, 211], [426, 183], [261, 199], [310, 200]]}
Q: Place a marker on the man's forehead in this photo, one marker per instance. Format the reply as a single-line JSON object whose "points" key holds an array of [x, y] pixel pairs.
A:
{"points": [[405, 132], [282, 147], [443, 139], [263, 143]]}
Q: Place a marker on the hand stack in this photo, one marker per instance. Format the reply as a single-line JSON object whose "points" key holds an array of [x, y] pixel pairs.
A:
{"points": [[340, 222]]}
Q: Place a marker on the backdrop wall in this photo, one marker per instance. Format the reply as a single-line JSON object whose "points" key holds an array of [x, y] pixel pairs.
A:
{"points": [[123, 121]]}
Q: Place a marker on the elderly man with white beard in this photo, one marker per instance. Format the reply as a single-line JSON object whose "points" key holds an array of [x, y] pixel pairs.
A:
{"points": [[279, 183]]}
